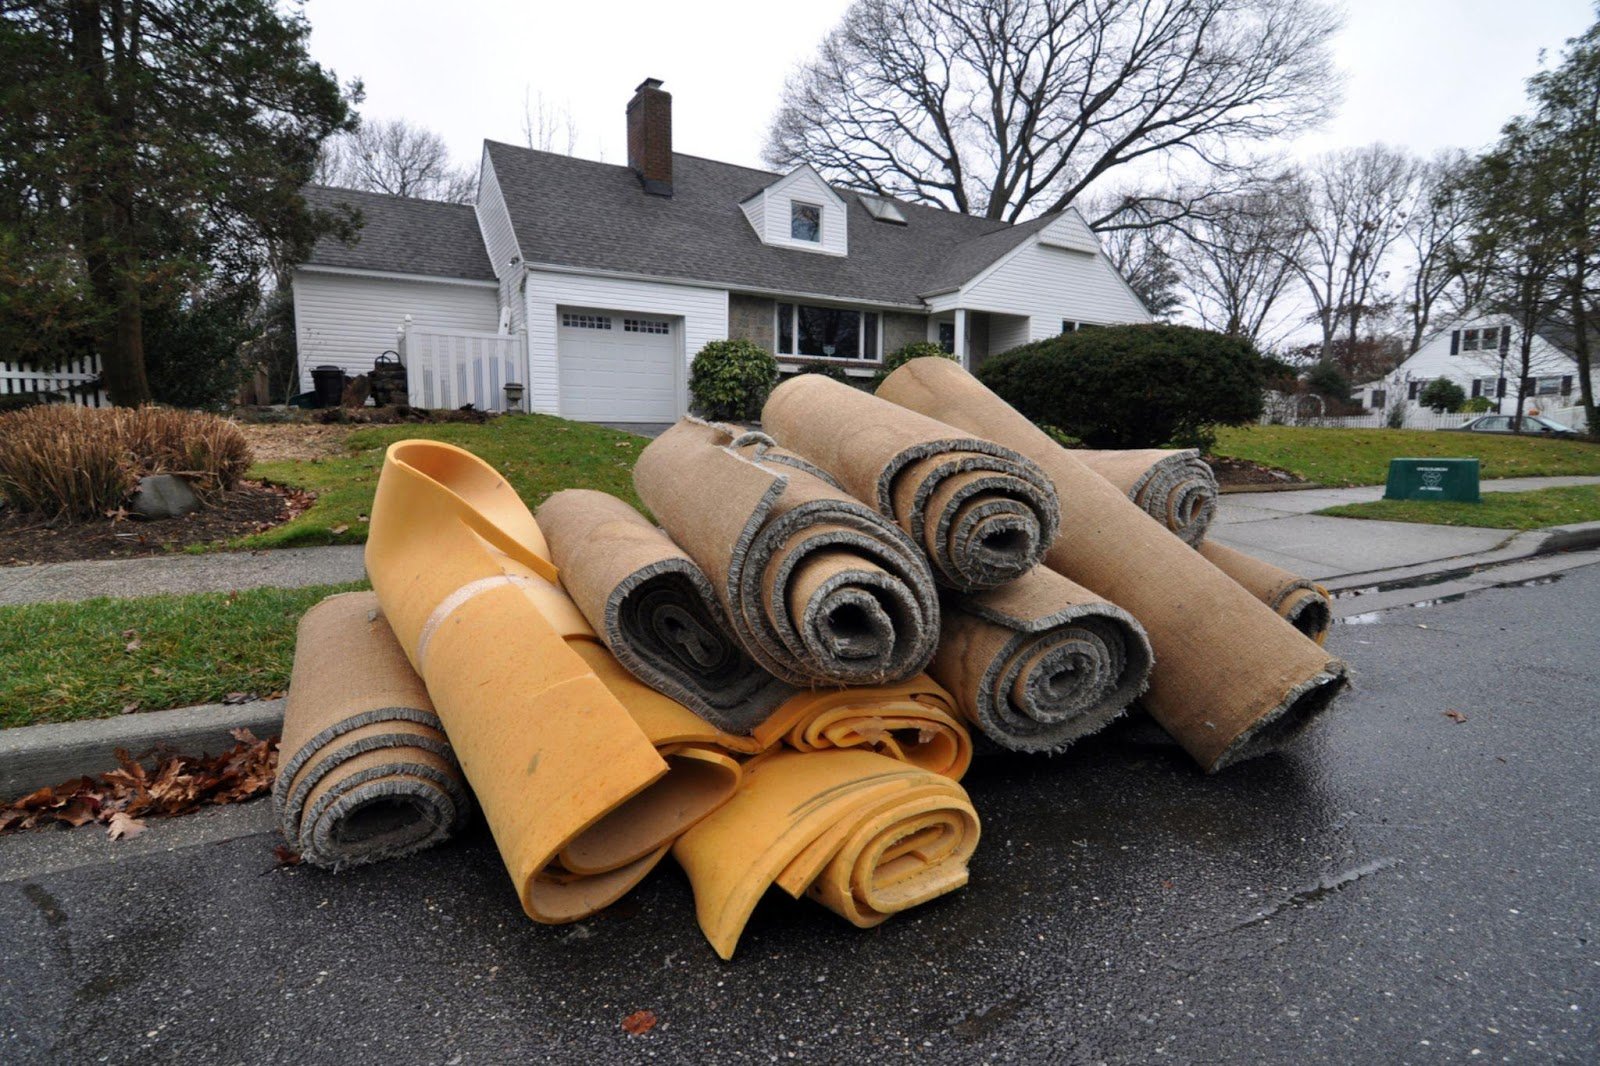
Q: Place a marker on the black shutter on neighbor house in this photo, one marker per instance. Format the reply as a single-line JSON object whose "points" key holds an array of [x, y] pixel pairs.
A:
{"points": [[1500, 389], [1505, 339], [1412, 390], [1530, 386], [1455, 342], [1477, 388], [1566, 384]]}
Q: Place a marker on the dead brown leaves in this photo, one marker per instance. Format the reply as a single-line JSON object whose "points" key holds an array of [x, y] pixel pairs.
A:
{"points": [[639, 1022], [1455, 716], [121, 798]]}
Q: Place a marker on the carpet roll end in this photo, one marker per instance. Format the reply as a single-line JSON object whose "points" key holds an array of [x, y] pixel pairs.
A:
{"points": [[1302, 706]]}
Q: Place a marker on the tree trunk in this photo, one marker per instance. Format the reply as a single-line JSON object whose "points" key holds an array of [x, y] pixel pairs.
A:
{"points": [[1580, 352]]}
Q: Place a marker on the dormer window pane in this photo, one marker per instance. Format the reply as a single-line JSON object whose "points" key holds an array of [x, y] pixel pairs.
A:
{"points": [[805, 221]]}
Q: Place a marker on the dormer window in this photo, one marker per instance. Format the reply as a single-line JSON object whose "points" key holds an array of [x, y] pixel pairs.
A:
{"points": [[805, 221]]}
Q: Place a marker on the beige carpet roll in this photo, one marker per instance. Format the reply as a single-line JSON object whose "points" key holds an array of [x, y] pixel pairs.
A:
{"points": [[655, 609], [1303, 604], [364, 770], [984, 514], [862, 834], [1176, 488], [1231, 679], [913, 721], [1040, 662], [819, 588], [583, 795]]}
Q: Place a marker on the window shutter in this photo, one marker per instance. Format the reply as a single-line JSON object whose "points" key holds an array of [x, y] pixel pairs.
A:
{"points": [[1505, 339], [1477, 388], [1566, 384], [1529, 386], [1455, 342], [1412, 390], [1500, 389]]}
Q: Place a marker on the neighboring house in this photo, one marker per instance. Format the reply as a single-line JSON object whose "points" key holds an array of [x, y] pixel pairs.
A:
{"points": [[1483, 354], [617, 275]]}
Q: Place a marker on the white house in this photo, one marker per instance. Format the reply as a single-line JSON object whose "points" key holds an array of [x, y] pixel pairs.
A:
{"points": [[612, 277], [1483, 354]]}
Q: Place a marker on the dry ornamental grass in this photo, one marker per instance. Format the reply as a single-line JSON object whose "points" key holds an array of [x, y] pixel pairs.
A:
{"points": [[78, 462]]}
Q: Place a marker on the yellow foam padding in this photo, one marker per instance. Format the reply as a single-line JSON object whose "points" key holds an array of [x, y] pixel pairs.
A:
{"points": [[861, 833], [914, 721], [579, 800]]}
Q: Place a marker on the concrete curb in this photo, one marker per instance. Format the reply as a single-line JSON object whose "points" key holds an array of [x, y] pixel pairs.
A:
{"points": [[1524, 545], [33, 756]]}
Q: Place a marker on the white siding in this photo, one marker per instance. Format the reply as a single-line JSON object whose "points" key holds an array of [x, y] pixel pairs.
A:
{"points": [[1049, 284], [768, 213], [500, 240], [347, 320], [703, 313], [1007, 333]]}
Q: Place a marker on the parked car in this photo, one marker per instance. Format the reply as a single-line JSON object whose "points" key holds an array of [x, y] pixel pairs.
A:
{"points": [[1502, 424]]}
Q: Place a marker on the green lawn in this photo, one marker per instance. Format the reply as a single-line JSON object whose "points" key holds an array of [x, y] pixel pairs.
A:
{"points": [[1499, 510], [1361, 456], [537, 453], [63, 661]]}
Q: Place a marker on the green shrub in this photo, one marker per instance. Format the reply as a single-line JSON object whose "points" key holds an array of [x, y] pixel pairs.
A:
{"points": [[78, 462], [192, 349], [831, 371], [1327, 380], [901, 356], [1477, 405], [1443, 395], [730, 380], [1132, 386], [1397, 417]]}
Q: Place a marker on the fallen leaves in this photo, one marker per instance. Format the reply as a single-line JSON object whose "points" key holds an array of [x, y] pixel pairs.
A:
{"points": [[639, 1022], [286, 855], [121, 798], [1455, 716]]}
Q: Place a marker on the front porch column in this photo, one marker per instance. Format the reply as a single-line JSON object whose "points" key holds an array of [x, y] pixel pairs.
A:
{"points": [[961, 336]]}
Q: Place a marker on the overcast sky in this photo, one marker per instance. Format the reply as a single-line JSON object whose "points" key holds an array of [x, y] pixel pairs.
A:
{"points": [[1424, 74]]}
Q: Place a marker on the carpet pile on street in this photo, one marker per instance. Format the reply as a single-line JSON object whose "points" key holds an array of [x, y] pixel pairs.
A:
{"points": [[782, 683]]}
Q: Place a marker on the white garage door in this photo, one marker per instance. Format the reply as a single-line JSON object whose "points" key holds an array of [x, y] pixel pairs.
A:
{"points": [[617, 366]]}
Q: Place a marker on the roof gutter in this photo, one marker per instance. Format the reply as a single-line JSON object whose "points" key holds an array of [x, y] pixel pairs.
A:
{"points": [[731, 286], [396, 275]]}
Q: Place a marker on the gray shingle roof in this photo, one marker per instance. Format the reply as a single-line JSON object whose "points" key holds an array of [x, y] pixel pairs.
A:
{"points": [[577, 213], [403, 235]]}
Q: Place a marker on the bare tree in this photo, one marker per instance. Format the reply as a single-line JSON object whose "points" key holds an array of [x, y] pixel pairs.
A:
{"points": [[1356, 204], [1008, 108], [398, 158], [1435, 235], [1240, 261], [546, 126]]}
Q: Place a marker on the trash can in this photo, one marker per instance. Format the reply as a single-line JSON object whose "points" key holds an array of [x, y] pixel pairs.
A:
{"points": [[328, 383]]}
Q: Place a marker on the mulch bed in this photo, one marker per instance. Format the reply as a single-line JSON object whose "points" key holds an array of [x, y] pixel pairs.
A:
{"points": [[252, 507], [1242, 472]]}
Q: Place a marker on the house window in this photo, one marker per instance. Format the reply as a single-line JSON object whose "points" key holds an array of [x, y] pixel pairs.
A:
{"points": [[1380, 397], [586, 321], [1413, 389], [805, 221], [1484, 340], [1068, 326], [827, 332], [1548, 386], [645, 325], [1469, 340], [947, 337]]}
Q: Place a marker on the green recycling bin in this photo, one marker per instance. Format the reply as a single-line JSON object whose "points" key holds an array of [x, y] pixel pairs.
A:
{"points": [[1433, 479]]}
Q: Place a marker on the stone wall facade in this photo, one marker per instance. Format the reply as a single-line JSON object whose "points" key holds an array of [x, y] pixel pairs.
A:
{"points": [[901, 328], [750, 319]]}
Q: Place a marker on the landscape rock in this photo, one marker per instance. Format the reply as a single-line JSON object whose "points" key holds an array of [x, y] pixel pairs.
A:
{"points": [[163, 496]]}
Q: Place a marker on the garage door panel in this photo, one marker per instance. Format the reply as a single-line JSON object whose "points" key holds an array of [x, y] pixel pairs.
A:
{"points": [[617, 366]]}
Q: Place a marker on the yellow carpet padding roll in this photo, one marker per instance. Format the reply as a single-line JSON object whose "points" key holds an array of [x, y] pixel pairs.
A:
{"points": [[913, 721], [984, 514], [1304, 604], [364, 770], [563, 760], [1176, 488], [655, 609], [1040, 662], [1231, 679], [864, 835], [818, 588]]}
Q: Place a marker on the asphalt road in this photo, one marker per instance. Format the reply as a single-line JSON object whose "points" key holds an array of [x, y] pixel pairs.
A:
{"points": [[1400, 888]]}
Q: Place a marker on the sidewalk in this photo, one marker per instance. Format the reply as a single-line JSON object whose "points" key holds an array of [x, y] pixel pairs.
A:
{"points": [[215, 572], [1279, 527]]}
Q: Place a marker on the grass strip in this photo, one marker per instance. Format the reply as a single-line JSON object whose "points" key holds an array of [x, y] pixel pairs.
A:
{"points": [[1499, 510], [95, 658]]}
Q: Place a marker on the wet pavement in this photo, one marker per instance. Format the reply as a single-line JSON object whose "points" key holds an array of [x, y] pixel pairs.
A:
{"points": [[1401, 887]]}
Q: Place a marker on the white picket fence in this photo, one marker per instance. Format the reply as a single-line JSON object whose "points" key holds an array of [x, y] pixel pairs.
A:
{"points": [[448, 370], [67, 380]]}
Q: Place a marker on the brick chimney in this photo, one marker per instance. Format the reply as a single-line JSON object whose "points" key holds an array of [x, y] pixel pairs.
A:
{"points": [[650, 137]]}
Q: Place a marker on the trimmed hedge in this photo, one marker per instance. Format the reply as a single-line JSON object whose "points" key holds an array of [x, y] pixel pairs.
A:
{"points": [[730, 380], [1140, 386]]}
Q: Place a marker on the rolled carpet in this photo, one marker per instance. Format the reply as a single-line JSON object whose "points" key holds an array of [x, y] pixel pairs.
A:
{"points": [[1231, 679], [1304, 604], [913, 721], [1176, 488], [1040, 662], [984, 514], [819, 588], [862, 834], [364, 770], [655, 609], [579, 800]]}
